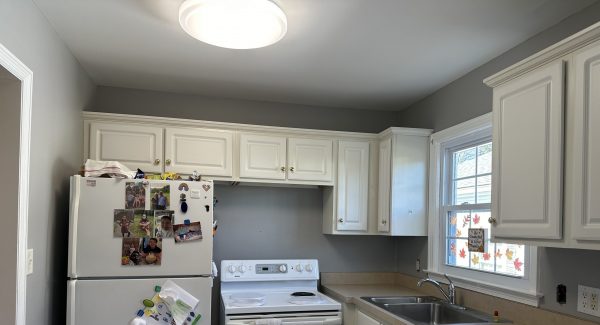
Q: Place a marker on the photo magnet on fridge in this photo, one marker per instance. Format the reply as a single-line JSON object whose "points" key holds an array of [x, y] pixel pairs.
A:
{"points": [[143, 223], [164, 223], [141, 251], [189, 232], [135, 195], [160, 197], [123, 222]]}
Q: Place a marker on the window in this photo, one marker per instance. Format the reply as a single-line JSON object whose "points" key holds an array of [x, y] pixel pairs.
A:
{"points": [[460, 199], [468, 205]]}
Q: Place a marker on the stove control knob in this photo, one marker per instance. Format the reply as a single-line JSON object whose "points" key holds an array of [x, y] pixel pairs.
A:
{"points": [[308, 268], [282, 268], [241, 268], [299, 268], [231, 269]]}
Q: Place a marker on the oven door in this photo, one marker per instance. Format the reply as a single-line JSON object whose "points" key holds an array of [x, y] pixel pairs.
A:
{"points": [[317, 318]]}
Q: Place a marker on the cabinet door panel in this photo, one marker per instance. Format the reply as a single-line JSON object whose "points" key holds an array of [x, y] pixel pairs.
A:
{"points": [[527, 158], [132, 145], [310, 159], [262, 156], [584, 173], [353, 185], [207, 151], [384, 192]]}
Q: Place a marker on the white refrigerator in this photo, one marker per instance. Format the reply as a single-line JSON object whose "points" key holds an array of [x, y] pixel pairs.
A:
{"points": [[109, 274]]}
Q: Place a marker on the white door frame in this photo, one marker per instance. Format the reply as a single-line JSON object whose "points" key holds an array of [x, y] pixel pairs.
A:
{"points": [[20, 70]]}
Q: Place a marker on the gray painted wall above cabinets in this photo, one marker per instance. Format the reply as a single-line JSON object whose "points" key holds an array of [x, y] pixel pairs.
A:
{"points": [[468, 97], [154, 103]]}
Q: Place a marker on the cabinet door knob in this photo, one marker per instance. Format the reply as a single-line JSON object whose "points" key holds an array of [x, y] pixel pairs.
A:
{"points": [[292, 169], [283, 169], [156, 161], [168, 162], [341, 220], [492, 220]]}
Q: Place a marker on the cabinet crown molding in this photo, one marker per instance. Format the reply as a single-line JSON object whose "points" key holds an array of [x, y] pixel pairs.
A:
{"points": [[180, 122], [549, 54]]}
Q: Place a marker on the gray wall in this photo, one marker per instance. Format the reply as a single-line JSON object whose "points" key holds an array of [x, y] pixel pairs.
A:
{"points": [[143, 102], [10, 106], [467, 98], [272, 223], [60, 90]]}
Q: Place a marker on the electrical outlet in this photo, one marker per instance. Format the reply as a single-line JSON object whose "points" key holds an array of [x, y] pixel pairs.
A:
{"points": [[418, 265], [588, 300]]}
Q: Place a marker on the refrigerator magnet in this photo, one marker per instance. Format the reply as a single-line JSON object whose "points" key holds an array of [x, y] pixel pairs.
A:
{"points": [[183, 204], [160, 197], [163, 223], [187, 232], [122, 223], [135, 195]]}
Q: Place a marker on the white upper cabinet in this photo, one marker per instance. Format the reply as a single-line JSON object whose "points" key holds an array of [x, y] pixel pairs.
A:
{"points": [[134, 146], [209, 152], [402, 191], [528, 155], [263, 156], [310, 159], [385, 189], [583, 172], [353, 185]]}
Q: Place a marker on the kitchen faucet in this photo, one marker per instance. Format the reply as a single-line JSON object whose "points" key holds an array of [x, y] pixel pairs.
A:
{"points": [[450, 296]]}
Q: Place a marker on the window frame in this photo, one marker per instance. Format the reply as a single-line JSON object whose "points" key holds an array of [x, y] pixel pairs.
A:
{"points": [[524, 290]]}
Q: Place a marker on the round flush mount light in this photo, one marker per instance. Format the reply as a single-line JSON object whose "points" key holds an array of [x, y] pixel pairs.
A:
{"points": [[234, 24]]}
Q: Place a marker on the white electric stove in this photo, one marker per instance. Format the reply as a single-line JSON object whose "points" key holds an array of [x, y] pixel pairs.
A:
{"points": [[256, 292]]}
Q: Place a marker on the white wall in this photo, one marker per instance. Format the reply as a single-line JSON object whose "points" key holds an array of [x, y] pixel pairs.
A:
{"points": [[60, 90], [10, 105]]}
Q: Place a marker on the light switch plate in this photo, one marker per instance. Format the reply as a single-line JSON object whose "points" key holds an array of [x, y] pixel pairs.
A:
{"points": [[195, 194], [588, 300], [29, 261]]}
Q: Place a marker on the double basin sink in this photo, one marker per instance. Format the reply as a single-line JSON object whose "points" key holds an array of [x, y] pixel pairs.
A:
{"points": [[430, 310]]}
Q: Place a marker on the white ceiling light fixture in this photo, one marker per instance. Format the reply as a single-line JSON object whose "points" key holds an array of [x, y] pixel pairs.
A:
{"points": [[234, 24]]}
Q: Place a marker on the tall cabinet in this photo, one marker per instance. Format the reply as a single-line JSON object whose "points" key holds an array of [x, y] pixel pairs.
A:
{"points": [[402, 190], [546, 112]]}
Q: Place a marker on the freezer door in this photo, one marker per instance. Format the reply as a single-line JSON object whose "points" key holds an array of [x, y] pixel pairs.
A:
{"points": [[102, 302], [94, 249]]}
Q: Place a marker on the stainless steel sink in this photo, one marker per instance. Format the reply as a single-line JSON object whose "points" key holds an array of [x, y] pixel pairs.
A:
{"points": [[429, 311], [399, 300]]}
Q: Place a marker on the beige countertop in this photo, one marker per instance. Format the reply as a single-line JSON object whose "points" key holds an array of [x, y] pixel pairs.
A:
{"points": [[351, 293], [349, 287]]}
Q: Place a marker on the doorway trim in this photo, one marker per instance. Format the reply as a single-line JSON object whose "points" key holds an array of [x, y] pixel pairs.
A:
{"points": [[25, 75]]}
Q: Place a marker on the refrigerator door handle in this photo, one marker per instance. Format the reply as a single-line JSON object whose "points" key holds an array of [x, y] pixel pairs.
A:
{"points": [[71, 308], [73, 219]]}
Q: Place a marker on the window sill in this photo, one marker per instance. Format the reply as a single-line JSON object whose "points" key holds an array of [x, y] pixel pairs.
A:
{"points": [[521, 296]]}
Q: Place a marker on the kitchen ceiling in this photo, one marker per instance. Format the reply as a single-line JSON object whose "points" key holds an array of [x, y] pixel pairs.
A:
{"points": [[371, 54]]}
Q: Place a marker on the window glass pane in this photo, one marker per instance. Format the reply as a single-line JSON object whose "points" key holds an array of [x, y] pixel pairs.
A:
{"points": [[457, 252], [484, 189], [484, 158], [479, 219], [482, 261], [510, 259], [464, 191], [458, 223], [464, 162]]}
